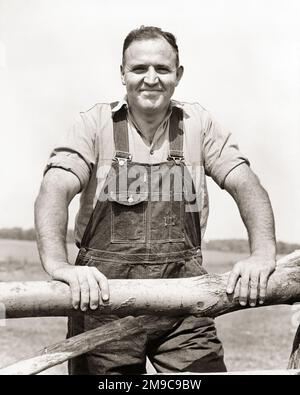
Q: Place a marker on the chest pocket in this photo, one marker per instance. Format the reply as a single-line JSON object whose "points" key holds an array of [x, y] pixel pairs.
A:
{"points": [[167, 218], [132, 216], [128, 218]]}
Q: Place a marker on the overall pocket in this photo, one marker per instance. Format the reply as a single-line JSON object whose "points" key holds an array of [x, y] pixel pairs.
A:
{"points": [[167, 218], [128, 218]]}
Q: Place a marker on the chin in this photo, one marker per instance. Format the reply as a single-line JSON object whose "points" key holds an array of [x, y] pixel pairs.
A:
{"points": [[149, 105]]}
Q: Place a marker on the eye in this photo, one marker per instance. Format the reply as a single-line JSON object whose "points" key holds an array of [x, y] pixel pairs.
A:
{"points": [[139, 69], [162, 70]]}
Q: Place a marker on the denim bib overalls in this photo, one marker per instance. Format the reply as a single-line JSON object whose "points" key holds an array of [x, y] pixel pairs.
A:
{"points": [[146, 224]]}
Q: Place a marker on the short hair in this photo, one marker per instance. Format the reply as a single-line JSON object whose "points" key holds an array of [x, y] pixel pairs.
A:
{"points": [[148, 33]]}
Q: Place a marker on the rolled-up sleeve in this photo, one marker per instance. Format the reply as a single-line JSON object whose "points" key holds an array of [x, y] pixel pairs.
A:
{"points": [[221, 152], [76, 150]]}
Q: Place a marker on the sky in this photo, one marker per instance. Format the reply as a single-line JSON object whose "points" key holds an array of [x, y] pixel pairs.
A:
{"points": [[242, 63]]}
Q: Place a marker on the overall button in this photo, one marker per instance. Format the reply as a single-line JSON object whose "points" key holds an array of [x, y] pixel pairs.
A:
{"points": [[130, 199], [151, 151], [121, 162]]}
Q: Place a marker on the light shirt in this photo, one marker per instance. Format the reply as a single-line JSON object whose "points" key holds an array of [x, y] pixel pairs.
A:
{"points": [[87, 151]]}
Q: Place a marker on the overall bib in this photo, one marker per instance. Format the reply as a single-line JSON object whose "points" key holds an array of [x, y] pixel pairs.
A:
{"points": [[146, 225]]}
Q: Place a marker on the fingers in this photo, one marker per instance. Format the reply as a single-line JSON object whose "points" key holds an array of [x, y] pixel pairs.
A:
{"points": [[232, 279], [103, 284], [238, 282], [68, 275], [243, 298], [263, 287], [84, 292], [75, 292], [248, 286], [92, 284], [254, 282], [237, 289], [257, 288], [94, 291], [86, 285]]}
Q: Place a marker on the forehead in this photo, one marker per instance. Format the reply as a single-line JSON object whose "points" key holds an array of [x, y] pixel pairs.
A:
{"points": [[154, 51]]}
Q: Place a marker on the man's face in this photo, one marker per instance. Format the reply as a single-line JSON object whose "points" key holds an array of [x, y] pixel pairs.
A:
{"points": [[150, 75]]}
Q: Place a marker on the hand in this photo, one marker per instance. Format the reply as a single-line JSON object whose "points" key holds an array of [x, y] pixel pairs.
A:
{"points": [[87, 285], [249, 278]]}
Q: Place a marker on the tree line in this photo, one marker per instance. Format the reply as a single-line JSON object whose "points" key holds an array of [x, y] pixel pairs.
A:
{"points": [[242, 245], [18, 233]]}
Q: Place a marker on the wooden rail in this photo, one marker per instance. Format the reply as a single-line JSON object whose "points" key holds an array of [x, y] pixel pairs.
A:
{"points": [[200, 296], [70, 348], [170, 298]]}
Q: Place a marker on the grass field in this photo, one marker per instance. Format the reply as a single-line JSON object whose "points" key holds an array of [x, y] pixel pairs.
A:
{"points": [[252, 339]]}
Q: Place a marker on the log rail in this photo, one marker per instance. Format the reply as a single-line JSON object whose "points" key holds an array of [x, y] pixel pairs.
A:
{"points": [[200, 296]]}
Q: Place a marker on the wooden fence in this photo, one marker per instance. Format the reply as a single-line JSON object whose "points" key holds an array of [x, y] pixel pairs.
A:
{"points": [[200, 296]]}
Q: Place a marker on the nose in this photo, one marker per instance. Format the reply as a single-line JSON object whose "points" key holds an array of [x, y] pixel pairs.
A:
{"points": [[151, 77]]}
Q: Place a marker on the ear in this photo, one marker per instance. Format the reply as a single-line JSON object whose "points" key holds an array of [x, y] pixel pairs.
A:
{"points": [[179, 74], [122, 75]]}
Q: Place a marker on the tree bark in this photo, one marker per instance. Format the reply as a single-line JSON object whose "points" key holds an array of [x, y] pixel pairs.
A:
{"points": [[200, 296]]}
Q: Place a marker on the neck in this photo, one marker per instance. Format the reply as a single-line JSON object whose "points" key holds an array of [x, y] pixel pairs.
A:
{"points": [[148, 123]]}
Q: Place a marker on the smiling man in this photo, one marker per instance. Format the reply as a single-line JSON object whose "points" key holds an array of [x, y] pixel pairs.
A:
{"points": [[150, 72], [140, 166]]}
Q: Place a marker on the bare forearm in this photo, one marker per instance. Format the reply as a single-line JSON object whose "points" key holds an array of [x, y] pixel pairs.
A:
{"points": [[51, 227], [258, 218], [257, 214], [249, 277], [51, 222]]}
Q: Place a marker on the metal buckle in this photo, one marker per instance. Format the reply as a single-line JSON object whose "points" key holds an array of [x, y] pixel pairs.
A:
{"points": [[122, 161], [176, 159]]}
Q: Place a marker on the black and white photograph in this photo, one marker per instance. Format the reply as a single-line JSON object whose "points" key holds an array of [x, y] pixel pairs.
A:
{"points": [[150, 193]]}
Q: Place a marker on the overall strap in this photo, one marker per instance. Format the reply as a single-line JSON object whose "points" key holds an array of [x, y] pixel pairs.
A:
{"points": [[176, 134], [120, 130], [121, 146]]}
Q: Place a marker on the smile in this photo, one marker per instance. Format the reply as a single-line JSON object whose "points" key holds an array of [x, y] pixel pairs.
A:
{"points": [[151, 90]]}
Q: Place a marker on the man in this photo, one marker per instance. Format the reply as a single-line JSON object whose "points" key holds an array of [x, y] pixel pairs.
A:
{"points": [[140, 166]]}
